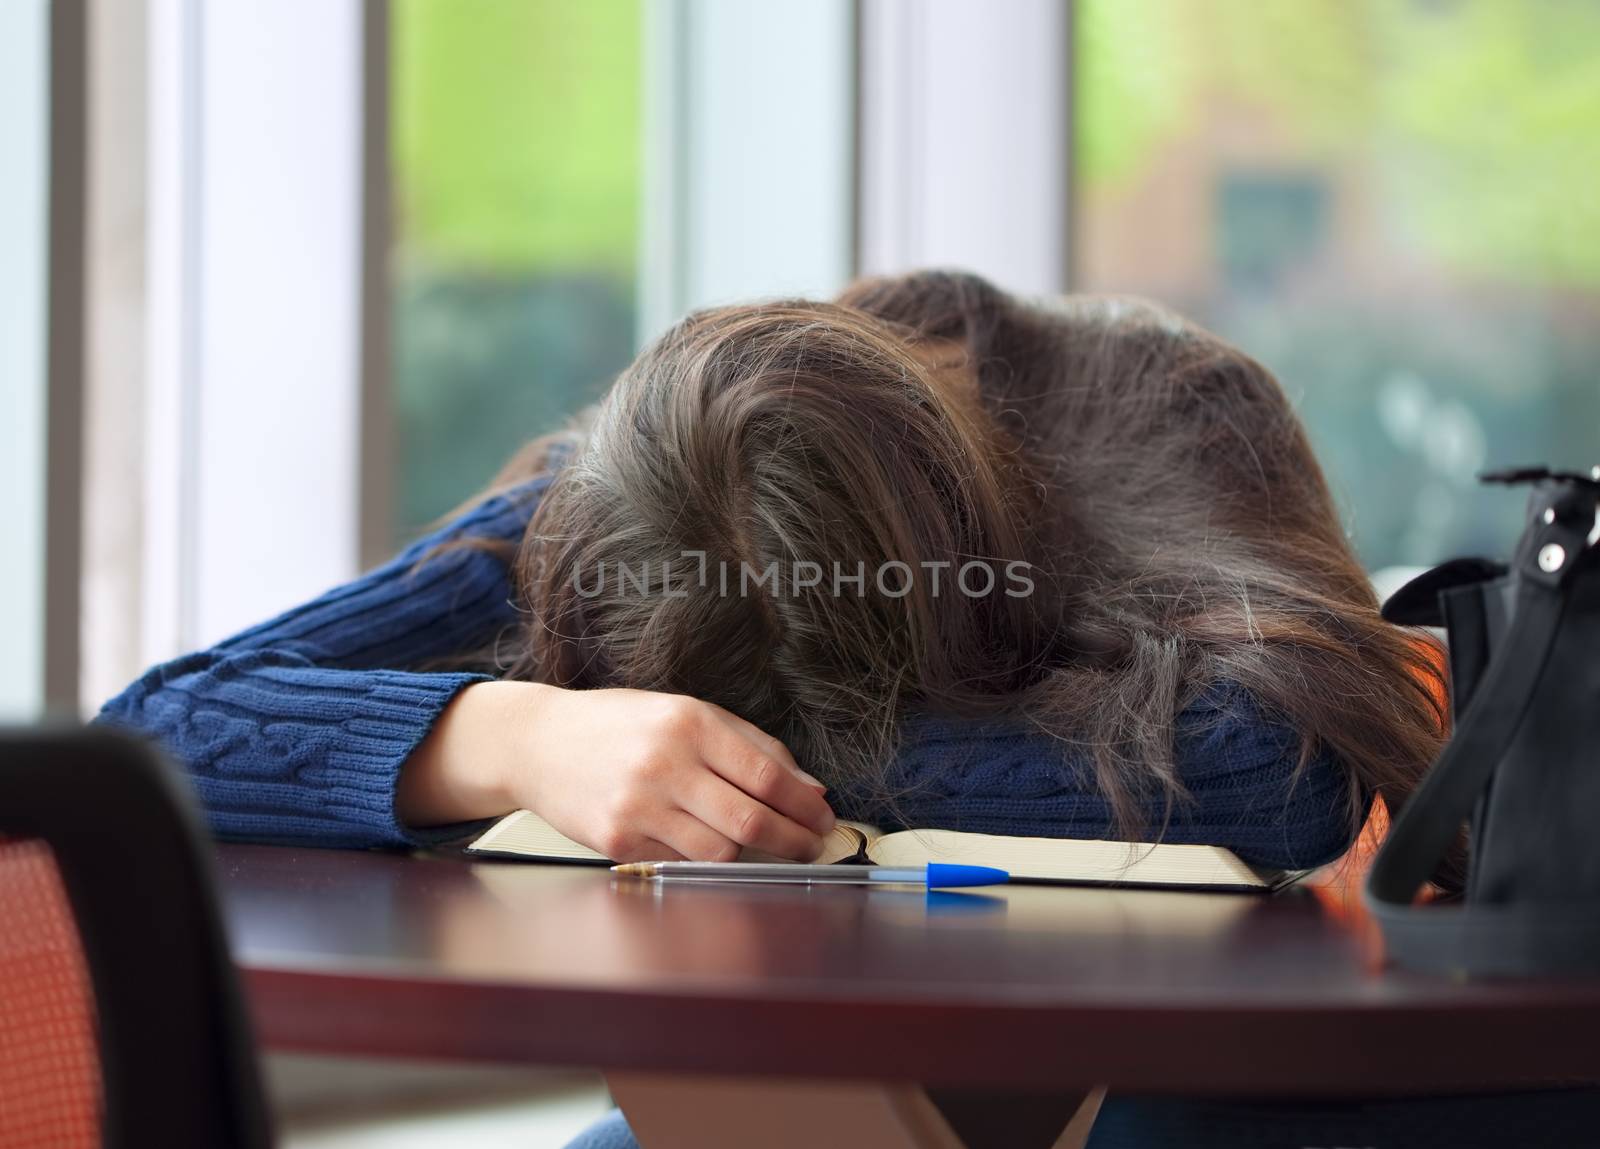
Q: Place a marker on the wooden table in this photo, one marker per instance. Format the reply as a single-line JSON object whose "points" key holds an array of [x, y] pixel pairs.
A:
{"points": [[842, 1003]]}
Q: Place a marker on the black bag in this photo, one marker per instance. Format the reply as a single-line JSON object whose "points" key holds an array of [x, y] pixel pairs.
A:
{"points": [[1523, 763]]}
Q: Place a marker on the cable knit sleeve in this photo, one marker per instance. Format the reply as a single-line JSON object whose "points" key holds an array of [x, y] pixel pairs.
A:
{"points": [[295, 730], [1240, 769]]}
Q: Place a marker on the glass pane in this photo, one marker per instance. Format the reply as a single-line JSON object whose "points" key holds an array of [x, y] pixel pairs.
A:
{"points": [[24, 101], [1391, 203], [516, 135]]}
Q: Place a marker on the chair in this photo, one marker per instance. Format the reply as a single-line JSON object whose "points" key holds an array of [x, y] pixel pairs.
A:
{"points": [[120, 1017]]}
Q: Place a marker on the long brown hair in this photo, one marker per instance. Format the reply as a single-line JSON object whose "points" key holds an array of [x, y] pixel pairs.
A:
{"points": [[1193, 531], [752, 449], [1153, 480]]}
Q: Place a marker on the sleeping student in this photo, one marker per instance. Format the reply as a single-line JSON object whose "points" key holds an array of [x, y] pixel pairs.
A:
{"points": [[927, 555]]}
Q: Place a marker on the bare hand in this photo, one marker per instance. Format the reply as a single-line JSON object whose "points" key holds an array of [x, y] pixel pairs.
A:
{"points": [[634, 774]]}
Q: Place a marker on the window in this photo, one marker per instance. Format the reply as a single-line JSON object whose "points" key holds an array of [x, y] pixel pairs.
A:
{"points": [[1392, 205], [516, 169], [570, 178], [345, 257]]}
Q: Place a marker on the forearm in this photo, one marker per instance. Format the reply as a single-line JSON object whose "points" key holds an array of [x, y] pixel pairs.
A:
{"points": [[281, 750], [297, 729], [462, 770]]}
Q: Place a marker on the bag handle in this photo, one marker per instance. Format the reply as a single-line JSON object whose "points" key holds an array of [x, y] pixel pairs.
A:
{"points": [[1484, 938]]}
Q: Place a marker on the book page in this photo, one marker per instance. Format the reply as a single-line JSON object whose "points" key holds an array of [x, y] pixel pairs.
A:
{"points": [[1072, 859], [846, 840], [526, 834]]}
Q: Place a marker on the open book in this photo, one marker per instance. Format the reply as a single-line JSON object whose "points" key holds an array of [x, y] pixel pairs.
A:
{"points": [[528, 837]]}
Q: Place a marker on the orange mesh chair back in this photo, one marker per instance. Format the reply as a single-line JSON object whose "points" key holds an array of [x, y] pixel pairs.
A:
{"points": [[120, 1019], [49, 1058]]}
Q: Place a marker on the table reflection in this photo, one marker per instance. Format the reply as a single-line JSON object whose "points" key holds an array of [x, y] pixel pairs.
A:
{"points": [[578, 925]]}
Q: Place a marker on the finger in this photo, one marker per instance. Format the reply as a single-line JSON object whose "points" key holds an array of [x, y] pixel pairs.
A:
{"points": [[740, 818], [763, 777], [695, 840], [767, 744]]}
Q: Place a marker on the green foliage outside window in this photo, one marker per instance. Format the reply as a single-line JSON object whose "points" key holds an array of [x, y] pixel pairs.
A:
{"points": [[516, 153], [1397, 214]]}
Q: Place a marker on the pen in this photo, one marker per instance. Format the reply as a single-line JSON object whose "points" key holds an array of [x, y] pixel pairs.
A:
{"points": [[934, 875]]}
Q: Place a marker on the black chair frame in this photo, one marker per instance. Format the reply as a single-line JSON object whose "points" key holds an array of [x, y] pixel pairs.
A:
{"points": [[177, 1059]]}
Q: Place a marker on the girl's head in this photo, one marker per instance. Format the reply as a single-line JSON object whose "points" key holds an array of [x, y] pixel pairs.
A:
{"points": [[1146, 517], [785, 510]]}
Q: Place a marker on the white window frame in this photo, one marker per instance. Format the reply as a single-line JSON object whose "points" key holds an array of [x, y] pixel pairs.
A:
{"points": [[24, 120], [252, 406], [749, 125], [966, 139]]}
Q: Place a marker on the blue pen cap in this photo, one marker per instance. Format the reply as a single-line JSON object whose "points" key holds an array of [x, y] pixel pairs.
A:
{"points": [[942, 876]]}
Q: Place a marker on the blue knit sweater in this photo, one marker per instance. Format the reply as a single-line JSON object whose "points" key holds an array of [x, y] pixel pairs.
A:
{"points": [[295, 730]]}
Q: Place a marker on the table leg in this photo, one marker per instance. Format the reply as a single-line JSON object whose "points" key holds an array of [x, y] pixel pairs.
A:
{"points": [[673, 1111], [1012, 1119]]}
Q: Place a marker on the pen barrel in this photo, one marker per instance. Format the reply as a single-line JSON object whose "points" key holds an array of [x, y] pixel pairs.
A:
{"points": [[935, 875], [917, 875], [795, 874]]}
